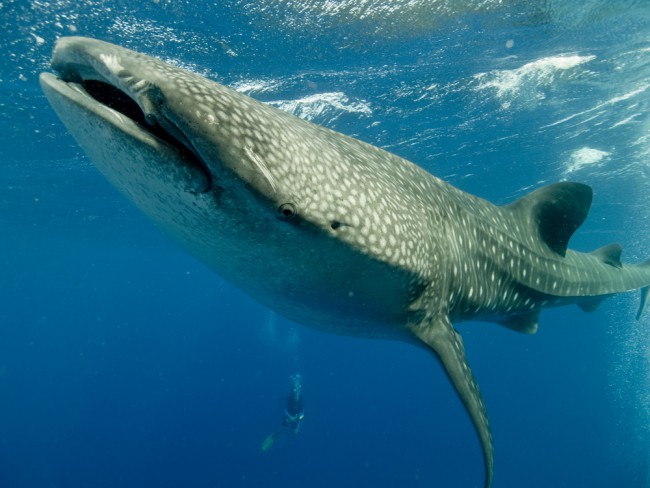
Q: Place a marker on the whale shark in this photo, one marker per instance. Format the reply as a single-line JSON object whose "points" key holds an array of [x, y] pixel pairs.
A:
{"points": [[322, 228]]}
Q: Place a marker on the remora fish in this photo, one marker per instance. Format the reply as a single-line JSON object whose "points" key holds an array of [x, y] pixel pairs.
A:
{"points": [[327, 230]]}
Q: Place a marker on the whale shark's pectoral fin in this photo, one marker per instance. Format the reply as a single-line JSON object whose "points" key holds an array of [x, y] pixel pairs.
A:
{"points": [[442, 339]]}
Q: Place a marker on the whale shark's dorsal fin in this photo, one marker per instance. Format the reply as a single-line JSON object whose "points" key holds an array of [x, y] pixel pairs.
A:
{"points": [[610, 254], [439, 335], [556, 211]]}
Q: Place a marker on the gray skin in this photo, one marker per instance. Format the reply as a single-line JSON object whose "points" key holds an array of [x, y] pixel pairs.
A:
{"points": [[327, 230]]}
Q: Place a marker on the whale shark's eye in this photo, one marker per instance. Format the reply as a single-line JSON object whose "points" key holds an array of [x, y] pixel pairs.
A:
{"points": [[286, 211]]}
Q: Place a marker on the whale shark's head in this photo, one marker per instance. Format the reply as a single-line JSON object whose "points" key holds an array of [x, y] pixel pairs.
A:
{"points": [[199, 136], [257, 194]]}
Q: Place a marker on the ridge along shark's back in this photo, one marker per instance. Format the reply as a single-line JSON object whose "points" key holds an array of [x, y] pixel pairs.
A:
{"points": [[323, 228]]}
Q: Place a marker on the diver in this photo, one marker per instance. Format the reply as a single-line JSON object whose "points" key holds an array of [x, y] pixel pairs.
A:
{"points": [[293, 412]]}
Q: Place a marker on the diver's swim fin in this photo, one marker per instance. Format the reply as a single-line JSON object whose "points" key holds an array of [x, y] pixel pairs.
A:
{"points": [[268, 442]]}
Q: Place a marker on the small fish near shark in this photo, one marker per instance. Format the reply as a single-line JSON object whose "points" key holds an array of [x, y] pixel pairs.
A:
{"points": [[327, 230]]}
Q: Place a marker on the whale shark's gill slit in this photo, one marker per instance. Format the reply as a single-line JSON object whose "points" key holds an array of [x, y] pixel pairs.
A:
{"points": [[114, 98]]}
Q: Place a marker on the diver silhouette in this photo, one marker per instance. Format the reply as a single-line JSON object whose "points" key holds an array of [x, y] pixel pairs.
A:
{"points": [[293, 412]]}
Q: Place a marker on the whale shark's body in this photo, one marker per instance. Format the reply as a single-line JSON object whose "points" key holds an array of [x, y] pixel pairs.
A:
{"points": [[325, 229]]}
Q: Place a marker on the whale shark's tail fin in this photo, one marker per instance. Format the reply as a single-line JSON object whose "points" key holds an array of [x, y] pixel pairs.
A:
{"points": [[443, 340], [644, 292], [644, 301]]}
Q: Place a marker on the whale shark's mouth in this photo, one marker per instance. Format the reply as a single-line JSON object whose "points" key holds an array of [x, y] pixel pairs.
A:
{"points": [[90, 84], [114, 98]]}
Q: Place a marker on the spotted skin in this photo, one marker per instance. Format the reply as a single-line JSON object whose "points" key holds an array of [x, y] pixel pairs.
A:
{"points": [[325, 229]]}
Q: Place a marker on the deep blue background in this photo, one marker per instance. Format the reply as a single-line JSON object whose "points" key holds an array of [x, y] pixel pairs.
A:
{"points": [[123, 362]]}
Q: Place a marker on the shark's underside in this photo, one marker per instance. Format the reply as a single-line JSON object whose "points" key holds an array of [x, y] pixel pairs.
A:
{"points": [[323, 228]]}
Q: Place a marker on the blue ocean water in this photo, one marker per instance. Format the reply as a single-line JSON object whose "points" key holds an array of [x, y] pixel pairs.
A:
{"points": [[124, 362]]}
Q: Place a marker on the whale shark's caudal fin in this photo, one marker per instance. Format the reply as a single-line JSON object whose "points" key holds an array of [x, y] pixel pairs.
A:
{"points": [[644, 301], [443, 340]]}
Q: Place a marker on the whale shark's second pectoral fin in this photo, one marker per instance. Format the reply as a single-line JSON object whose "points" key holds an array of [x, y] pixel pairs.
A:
{"points": [[441, 338]]}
